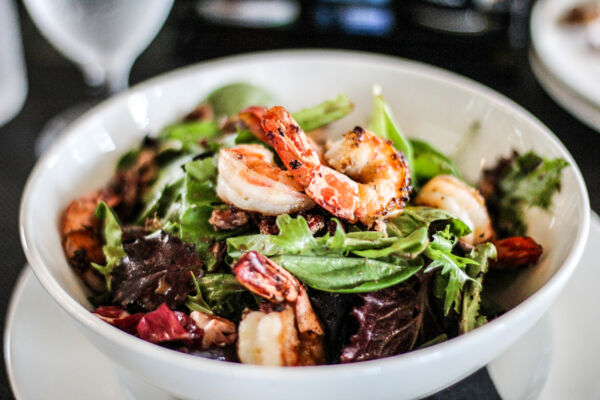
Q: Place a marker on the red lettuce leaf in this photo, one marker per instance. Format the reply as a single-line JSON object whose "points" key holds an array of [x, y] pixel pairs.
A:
{"points": [[156, 270], [390, 321], [165, 325], [119, 318]]}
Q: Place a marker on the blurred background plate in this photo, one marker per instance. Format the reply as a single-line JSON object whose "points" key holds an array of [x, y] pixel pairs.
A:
{"points": [[582, 109], [565, 50]]}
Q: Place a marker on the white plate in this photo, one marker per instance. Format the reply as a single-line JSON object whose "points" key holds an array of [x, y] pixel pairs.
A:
{"points": [[565, 50], [48, 358], [581, 108]]}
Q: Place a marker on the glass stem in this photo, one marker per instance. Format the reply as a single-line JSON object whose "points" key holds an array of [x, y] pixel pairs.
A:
{"points": [[117, 77]]}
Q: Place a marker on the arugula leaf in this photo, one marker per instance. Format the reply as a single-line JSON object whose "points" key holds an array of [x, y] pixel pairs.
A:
{"points": [[529, 180], [113, 247], [382, 124], [429, 162], [452, 267], [470, 317], [408, 246], [348, 274], [295, 237], [323, 114], [413, 218], [230, 99]]}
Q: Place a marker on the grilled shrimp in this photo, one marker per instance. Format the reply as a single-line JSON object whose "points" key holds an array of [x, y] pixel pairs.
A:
{"points": [[453, 195], [292, 336], [377, 183], [250, 180], [81, 238], [252, 117]]}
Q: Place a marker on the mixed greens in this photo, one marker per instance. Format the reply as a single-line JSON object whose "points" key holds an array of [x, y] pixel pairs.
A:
{"points": [[166, 260]]}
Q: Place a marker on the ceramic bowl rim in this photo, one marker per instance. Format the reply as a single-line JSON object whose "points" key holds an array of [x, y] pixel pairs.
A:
{"points": [[541, 298]]}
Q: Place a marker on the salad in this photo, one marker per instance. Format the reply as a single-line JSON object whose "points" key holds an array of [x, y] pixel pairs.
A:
{"points": [[250, 234]]}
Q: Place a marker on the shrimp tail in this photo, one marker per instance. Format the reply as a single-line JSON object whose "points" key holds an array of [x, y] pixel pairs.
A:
{"points": [[252, 117]]}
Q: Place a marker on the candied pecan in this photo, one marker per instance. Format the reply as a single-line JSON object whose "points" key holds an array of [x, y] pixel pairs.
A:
{"points": [[515, 252], [203, 112], [228, 218], [267, 225]]}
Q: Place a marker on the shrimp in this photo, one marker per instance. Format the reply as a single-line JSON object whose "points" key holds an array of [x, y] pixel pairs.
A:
{"points": [[250, 180], [252, 117], [377, 183], [292, 336], [81, 238], [453, 195]]}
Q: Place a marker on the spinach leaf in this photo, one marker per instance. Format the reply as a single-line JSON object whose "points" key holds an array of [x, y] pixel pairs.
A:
{"points": [[529, 180], [113, 246], [348, 274], [197, 302], [470, 317], [382, 124], [323, 114], [230, 99], [453, 275], [189, 134], [413, 218], [429, 162]]}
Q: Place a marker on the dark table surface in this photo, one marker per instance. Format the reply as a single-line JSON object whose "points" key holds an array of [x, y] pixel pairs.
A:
{"points": [[498, 59]]}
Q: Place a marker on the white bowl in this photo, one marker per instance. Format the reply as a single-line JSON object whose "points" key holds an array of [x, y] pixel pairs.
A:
{"points": [[429, 103]]}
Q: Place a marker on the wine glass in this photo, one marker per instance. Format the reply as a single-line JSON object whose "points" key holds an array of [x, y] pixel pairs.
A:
{"points": [[103, 37]]}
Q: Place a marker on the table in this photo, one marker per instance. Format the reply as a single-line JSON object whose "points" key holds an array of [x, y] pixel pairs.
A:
{"points": [[492, 59]]}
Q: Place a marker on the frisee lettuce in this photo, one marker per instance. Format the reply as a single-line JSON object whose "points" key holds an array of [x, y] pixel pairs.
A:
{"points": [[470, 316], [530, 180]]}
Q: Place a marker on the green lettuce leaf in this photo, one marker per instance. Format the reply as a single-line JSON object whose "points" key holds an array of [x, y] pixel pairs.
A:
{"points": [[323, 114], [197, 302], [470, 317], [113, 245], [429, 162], [295, 237], [452, 267], [188, 135], [348, 274], [382, 124], [530, 180], [219, 294], [413, 218], [230, 99], [408, 246]]}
